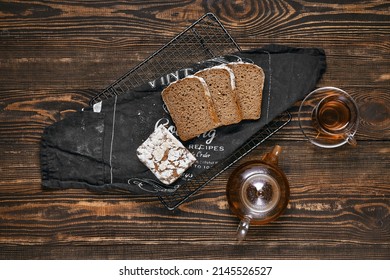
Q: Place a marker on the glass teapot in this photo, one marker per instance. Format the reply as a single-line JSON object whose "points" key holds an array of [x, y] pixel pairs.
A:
{"points": [[257, 191]]}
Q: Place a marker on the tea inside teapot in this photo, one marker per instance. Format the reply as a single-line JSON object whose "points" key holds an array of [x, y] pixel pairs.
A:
{"points": [[257, 191]]}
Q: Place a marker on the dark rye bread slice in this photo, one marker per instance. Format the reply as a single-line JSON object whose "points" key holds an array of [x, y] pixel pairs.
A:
{"points": [[221, 84], [190, 106], [249, 79]]}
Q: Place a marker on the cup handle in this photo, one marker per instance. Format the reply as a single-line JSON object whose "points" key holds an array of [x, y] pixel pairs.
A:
{"points": [[242, 229], [351, 140]]}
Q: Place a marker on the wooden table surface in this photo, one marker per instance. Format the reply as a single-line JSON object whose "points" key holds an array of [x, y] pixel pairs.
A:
{"points": [[56, 55]]}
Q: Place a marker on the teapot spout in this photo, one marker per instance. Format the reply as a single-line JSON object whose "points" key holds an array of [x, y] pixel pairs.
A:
{"points": [[273, 156], [242, 229]]}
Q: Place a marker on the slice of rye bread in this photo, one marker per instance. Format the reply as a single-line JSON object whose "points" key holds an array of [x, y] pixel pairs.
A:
{"points": [[190, 105], [221, 84], [249, 80]]}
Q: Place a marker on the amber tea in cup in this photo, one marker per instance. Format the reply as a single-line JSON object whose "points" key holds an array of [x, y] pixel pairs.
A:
{"points": [[332, 115], [328, 117]]}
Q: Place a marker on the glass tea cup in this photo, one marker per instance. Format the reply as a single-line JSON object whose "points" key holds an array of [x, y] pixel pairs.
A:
{"points": [[329, 117]]}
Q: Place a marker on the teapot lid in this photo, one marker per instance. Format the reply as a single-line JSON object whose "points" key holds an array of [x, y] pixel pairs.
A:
{"points": [[260, 193]]}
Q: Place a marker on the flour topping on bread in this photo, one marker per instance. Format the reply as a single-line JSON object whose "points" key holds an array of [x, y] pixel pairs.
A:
{"points": [[164, 155]]}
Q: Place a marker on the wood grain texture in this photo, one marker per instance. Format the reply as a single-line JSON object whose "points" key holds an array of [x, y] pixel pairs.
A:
{"points": [[56, 55]]}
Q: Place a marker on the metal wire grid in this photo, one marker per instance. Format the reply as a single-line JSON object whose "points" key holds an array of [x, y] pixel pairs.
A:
{"points": [[204, 39], [189, 188]]}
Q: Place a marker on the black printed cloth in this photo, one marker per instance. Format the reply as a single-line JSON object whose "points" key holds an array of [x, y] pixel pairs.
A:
{"points": [[96, 148]]}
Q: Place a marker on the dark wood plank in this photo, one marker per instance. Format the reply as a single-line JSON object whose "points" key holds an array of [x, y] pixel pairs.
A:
{"points": [[54, 56], [331, 198], [61, 39], [250, 250]]}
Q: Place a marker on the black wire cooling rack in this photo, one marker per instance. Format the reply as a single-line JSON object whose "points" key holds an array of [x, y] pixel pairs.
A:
{"points": [[206, 38]]}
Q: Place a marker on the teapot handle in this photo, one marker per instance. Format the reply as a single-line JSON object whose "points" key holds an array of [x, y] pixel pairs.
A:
{"points": [[272, 157], [242, 229]]}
